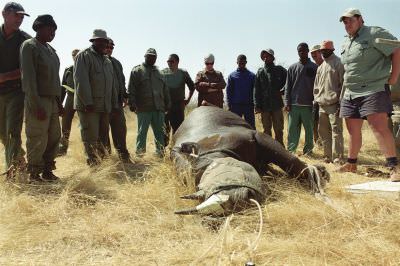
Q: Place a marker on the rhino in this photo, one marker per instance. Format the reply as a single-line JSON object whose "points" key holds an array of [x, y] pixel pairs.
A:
{"points": [[226, 157]]}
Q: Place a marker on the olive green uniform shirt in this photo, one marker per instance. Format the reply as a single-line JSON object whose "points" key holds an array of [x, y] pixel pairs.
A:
{"points": [[94, 82], [40, 72], [147, 89], [366, 63], [9, 57], [176, 83]]}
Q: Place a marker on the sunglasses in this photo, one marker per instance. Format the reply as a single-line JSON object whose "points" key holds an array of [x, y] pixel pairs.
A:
{"points": [[210, 63]]}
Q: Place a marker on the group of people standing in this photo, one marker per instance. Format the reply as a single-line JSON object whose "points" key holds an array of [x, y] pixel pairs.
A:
{"points": [[353, 87]]}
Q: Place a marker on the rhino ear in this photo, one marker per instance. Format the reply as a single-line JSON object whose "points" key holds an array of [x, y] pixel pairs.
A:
{"points": [[199, 195]]}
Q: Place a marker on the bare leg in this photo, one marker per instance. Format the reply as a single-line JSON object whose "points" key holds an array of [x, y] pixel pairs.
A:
{"points": [[379, 125]]}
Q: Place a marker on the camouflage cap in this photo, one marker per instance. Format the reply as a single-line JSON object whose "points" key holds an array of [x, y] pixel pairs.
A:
{"points": [[99, 34], [14, 7], [315, 48], [350, 12], [151, 51], [269, 51]]}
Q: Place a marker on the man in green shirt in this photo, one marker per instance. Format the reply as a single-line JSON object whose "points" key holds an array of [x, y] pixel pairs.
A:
{"points": [[369, 68], [67, 93], [149, 99], [95, 96], [176, 79], [41, 83], [11, 95]]}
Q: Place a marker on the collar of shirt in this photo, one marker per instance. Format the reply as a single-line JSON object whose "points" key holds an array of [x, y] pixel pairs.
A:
{"points": [[358, 33], [308, 60], [3, 35], [241, 70], [209, 71]]}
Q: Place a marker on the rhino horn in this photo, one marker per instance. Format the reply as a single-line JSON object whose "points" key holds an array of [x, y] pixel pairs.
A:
{"points": [[213, 205], [199, 195]]}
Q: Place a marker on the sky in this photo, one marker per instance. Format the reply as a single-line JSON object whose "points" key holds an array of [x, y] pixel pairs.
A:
{"points": [[192, 29]]}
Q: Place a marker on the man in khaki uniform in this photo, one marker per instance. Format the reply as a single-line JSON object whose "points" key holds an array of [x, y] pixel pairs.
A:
{"points": [[317, 57], [327, 88], [149, 98], [94, 97], [11, 95], [117, 118], [67, 93], [41, 83]]}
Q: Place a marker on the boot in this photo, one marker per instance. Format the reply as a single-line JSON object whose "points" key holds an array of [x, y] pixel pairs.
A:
{"points": [[48, 176], [347, 167], [395, 174]]}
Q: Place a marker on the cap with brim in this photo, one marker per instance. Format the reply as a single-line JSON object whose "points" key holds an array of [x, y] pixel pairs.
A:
{"points": [[151, 51], [269, 51], [350, 12], [209, 58], [99, 34], [315, 48], [15, 7], [110, 41]]}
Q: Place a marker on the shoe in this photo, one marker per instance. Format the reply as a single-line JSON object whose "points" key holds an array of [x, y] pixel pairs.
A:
{"points": [[347, 167], [48, 176], [35, 178], [395, 174]]}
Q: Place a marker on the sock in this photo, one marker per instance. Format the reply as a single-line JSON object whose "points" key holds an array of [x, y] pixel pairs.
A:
{"points": [[350, 160]]}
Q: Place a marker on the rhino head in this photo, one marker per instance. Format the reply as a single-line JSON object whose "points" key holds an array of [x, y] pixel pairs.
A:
{"points": [[226, 186]]}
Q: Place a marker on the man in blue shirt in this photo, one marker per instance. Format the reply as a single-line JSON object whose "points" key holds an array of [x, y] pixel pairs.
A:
{"points": [[239, 91]]}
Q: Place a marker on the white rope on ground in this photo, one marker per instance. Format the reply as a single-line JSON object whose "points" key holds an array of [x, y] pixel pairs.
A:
{"points": [[257, 240]]}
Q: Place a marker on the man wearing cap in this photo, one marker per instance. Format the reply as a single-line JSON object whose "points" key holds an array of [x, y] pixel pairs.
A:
{"points": [[269, 88], [176, 79], [149, 98], [317, 57], [370, 67], [67, 94], [117, 118], [210, 84], [11, 95], [240, 91], [41, 83], [299, 100], [327, 88], [95, 96]]}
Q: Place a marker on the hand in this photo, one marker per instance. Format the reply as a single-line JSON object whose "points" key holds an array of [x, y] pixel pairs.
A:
{"points": [[287, 108], [132, 108], [257, 110], [124, 102], [61, 111], [41, 114], [204, 84], [89, 108], [393, 80]]}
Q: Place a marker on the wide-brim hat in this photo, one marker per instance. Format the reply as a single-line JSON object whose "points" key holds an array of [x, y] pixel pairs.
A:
{"points": [[99, 34]]}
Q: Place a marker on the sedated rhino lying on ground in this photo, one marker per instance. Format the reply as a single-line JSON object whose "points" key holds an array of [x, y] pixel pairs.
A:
{"points": [[226, 157]]}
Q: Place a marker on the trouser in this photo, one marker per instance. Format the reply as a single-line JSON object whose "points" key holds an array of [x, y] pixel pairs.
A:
{"points": [[11, 118], [42, 136], [173, 119], [118, 133], [300, 115], [273, 119], [315, 114], [244, 110], [94, 133], [156, 120], [331, 132], [66, 121]]}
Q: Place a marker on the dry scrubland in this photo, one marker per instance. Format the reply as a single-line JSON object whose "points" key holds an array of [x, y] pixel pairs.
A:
{"points": [[123, 215]]}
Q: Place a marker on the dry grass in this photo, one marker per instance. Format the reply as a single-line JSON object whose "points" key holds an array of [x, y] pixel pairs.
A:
{"points": [[123, 215]]}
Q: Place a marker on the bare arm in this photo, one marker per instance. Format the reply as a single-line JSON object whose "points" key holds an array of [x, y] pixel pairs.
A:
{"points": [[12, 75], [395, 67]]}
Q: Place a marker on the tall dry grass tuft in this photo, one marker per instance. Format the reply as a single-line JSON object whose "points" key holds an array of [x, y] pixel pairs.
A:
{"points": [[122, 214]]}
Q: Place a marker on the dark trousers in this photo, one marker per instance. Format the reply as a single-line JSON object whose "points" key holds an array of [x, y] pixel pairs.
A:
{"points": [[173, 119], [118, 133], [66, 121], [244, 110]]}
